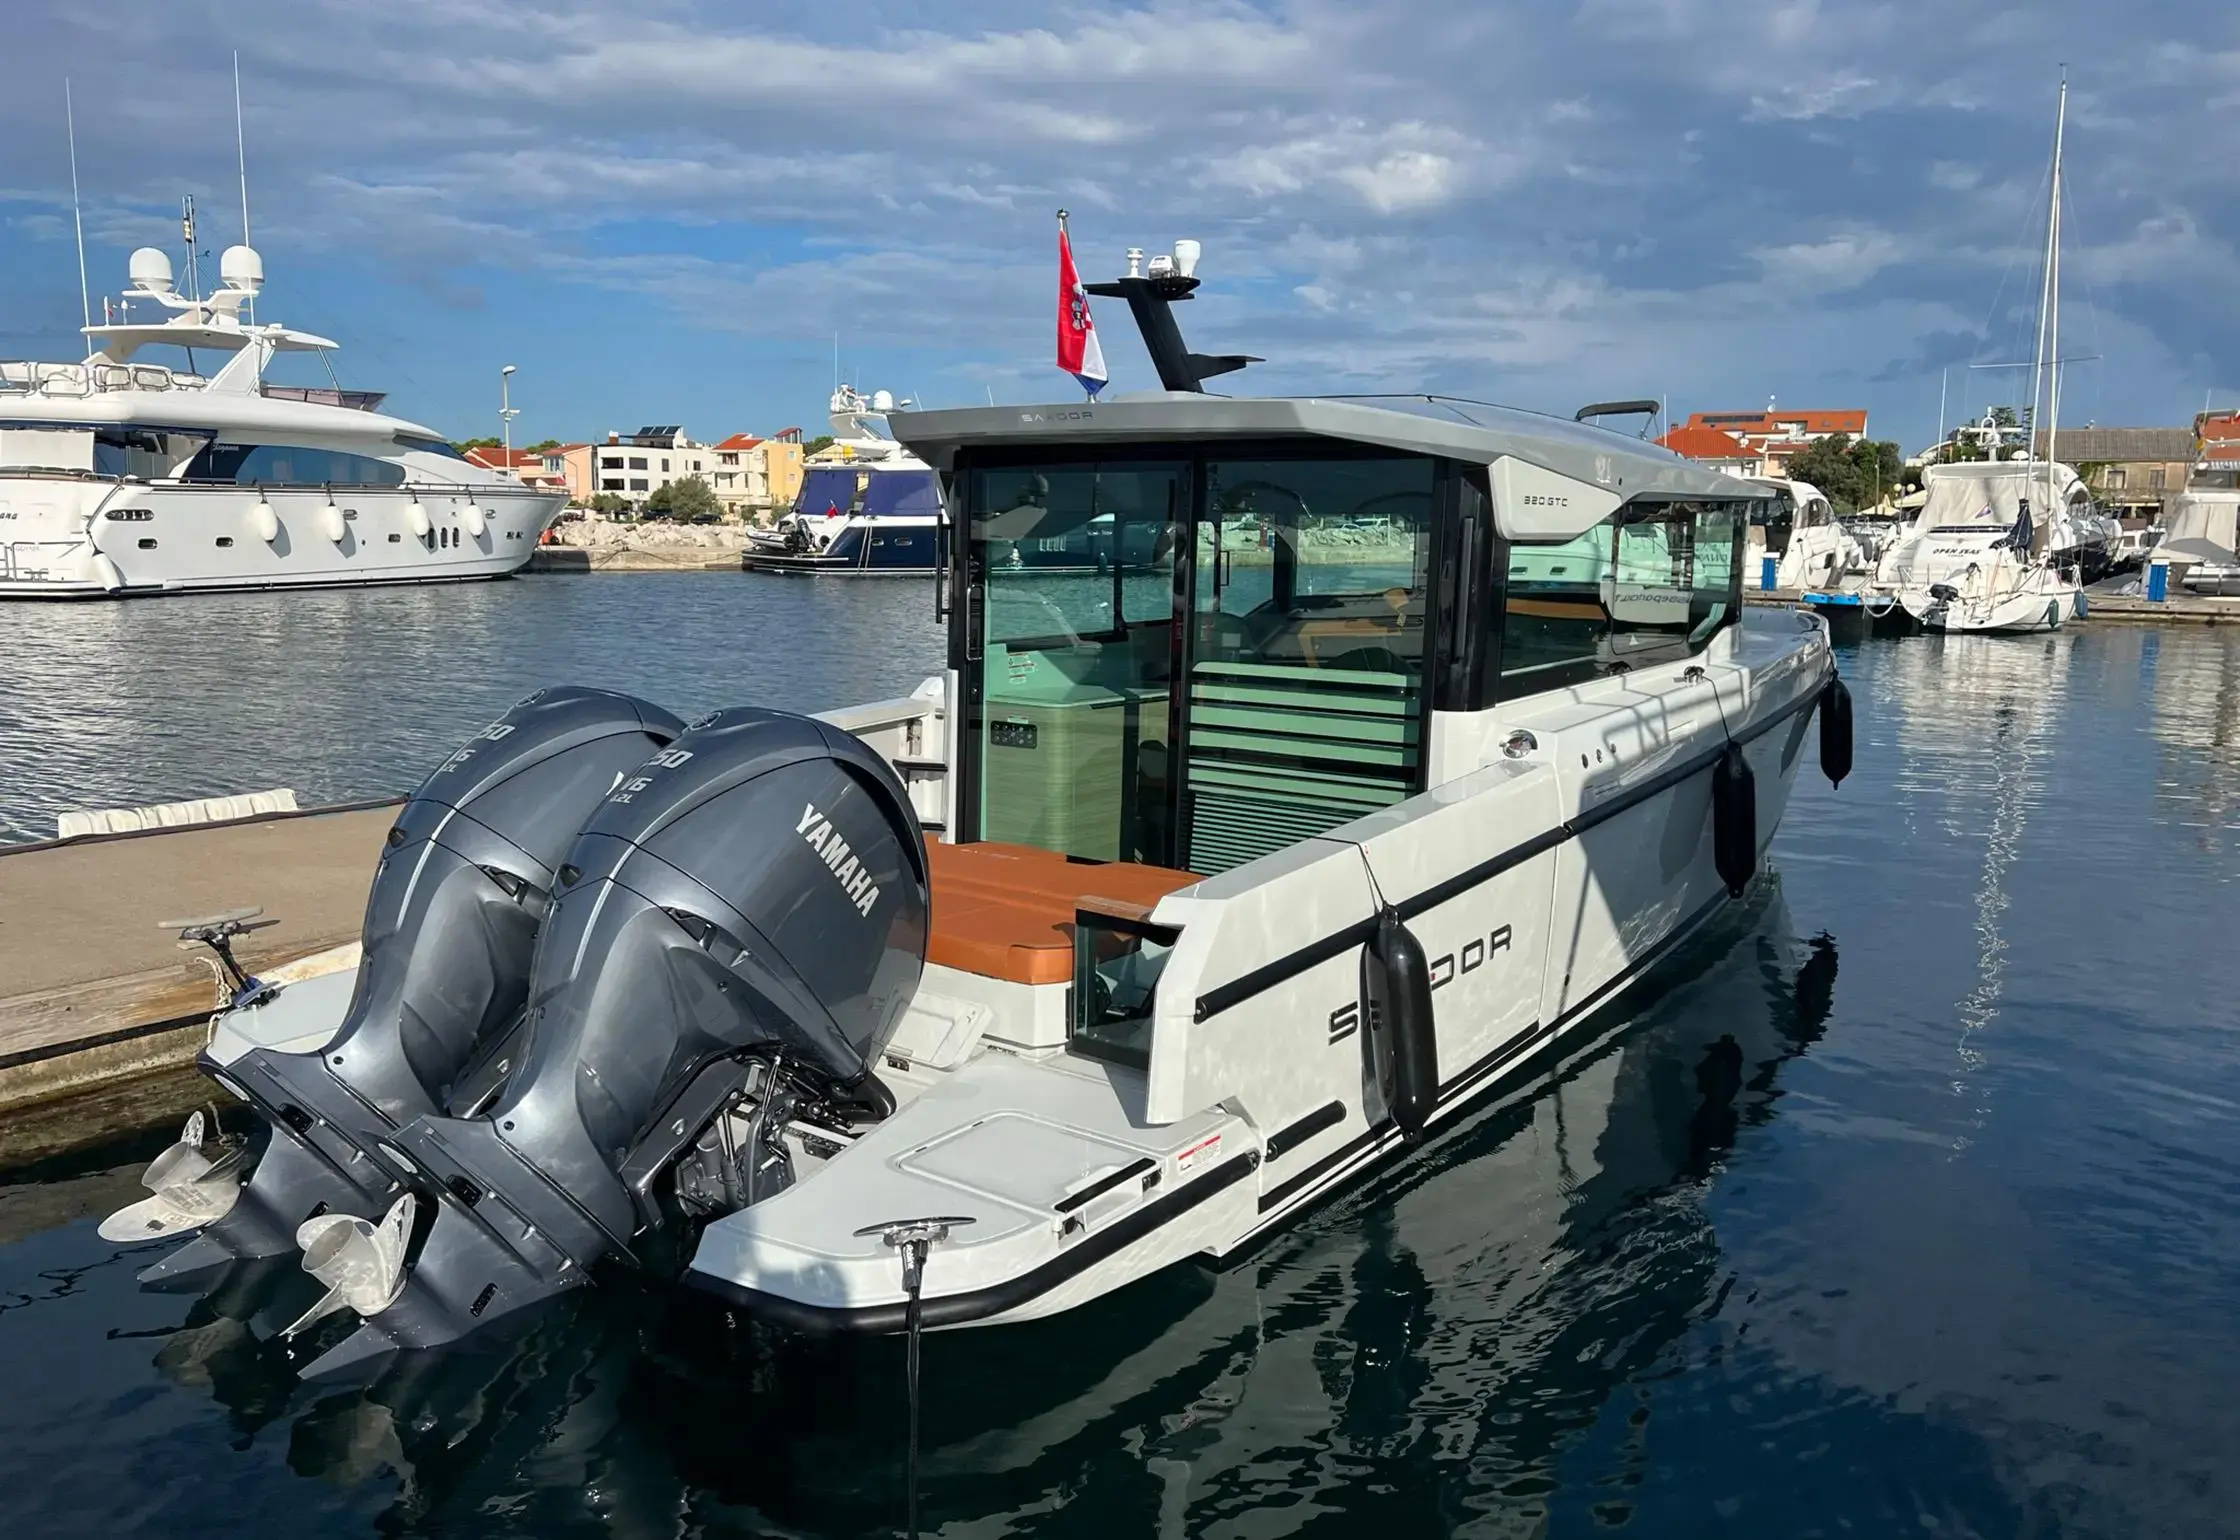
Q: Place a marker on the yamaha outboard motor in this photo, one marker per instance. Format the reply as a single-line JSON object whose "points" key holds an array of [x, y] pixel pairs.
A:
{"points": [[738, 930], [464, 882]]}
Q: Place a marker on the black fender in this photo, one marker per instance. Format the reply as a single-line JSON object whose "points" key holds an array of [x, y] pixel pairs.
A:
{"points": [[1835, 730], [1734, 819], [1401, 1038]]}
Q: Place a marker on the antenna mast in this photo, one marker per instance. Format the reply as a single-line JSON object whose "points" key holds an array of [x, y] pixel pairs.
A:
{"points": [[70, 120], [186, 226], [241, 153]]}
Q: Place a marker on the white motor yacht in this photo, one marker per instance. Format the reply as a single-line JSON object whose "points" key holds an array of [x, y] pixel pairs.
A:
{"points": [[1798, 529], [2202, 543], [122, 475], [1195, 890]]}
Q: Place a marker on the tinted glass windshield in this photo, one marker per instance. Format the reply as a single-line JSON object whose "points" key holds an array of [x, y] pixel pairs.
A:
{"points": [[910, 492]]}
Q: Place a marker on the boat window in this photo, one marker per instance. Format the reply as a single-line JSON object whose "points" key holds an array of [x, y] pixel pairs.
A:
{"points": [[1554, 624], [1320, 563], [1116, 968], [1075, 565], [1306, 649], [1654, 577], [902, 492], [227, 540], [288, 465], [1775, 518], [427, 445], [141, 452], [1677, 575], [827, 492]]}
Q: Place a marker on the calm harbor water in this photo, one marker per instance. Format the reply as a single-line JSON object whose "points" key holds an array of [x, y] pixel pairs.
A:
{"points": [[1907, 1203], [345, 695]]}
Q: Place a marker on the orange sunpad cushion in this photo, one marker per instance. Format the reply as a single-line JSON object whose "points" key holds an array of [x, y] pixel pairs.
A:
{"points": [[1006, 911]]}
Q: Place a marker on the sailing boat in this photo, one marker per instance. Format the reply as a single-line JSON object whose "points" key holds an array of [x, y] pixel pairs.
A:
{"points": [[1993, 552]]}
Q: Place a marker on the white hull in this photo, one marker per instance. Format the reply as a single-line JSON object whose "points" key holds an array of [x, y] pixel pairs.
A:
{"points": [[1523, 959], [72, 538], [1525, 880], [2043, 604]]}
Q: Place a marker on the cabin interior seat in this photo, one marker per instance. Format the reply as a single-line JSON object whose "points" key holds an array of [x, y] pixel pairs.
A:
{"points": [[1007, 911]]}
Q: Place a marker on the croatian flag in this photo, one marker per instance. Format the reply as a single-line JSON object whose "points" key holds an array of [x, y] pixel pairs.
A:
{"points": [[1078, 351]]}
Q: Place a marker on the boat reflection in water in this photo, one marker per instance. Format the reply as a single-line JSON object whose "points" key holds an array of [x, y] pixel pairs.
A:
{"points": [[1458, 1321]]}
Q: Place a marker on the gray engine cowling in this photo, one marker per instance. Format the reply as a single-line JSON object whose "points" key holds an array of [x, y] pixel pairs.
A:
{"points": [[749, 907], [464, 881]]}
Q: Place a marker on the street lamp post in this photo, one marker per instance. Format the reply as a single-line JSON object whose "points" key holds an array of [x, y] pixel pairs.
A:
{"points": [[506, 412]]}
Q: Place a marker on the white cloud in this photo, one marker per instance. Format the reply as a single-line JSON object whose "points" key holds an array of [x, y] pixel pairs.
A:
{"points": [[1525, 194]]}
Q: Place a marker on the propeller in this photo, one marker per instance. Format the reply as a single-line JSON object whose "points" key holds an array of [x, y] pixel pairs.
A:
{"points": [[360, 1262], [195, 1181]]}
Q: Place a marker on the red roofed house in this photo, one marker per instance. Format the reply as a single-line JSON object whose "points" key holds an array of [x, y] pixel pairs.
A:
{"points": [[1776, 435], [753, 475], [2218, 438], [524, 466], [1716, 449]]}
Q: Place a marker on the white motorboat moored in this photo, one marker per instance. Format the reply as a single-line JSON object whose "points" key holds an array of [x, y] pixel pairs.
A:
{"points": [[1256, 859]]}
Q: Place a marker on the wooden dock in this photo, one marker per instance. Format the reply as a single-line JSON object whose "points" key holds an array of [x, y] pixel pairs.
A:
{"points": [[93, 992]]}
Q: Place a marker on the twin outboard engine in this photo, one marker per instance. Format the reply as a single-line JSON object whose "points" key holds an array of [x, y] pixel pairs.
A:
{"points": [[463, 885], [737, 930]]}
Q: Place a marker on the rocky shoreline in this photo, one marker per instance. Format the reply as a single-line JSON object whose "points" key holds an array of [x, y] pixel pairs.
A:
{"points": [[595, 544]]}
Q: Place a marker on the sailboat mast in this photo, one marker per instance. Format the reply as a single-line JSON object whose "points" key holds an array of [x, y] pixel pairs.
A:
{"points": [[2053, 293]]}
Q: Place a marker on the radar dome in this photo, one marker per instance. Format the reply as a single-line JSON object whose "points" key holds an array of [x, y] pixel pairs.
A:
{"points": [[882, 401], [241, 268], [151, 270]]}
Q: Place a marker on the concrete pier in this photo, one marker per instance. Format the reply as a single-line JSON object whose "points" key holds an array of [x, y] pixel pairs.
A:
{"points": [[93, 992], [2178, 609]]}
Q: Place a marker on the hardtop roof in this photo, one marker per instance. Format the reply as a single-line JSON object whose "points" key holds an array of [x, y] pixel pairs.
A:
{"points": [[1447, 426]]}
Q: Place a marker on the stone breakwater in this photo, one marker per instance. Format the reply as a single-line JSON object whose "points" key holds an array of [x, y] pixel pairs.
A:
{"points": [[607, 545]]}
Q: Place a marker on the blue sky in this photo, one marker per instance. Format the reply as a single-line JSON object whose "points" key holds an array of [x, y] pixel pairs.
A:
{"points": [[662, 212]]}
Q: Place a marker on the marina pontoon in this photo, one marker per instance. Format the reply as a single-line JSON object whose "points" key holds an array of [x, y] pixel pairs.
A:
{"points": [[1396, 737]]}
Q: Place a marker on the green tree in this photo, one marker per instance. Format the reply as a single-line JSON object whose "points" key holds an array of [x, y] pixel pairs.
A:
{"points": [[544, 446], [465, 444], [690, 501], [1855, 473], [821, 441], [610, 503]]}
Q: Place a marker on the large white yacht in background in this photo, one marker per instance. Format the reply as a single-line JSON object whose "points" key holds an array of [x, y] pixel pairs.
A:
{"points": [[120, 475]]}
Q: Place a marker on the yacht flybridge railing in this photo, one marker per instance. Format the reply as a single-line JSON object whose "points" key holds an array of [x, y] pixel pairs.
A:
{"points": [[77, 380], [72, 381]]}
